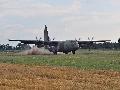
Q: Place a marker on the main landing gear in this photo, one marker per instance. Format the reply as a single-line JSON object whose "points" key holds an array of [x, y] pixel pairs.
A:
{"points": [[55, 53], [73, 52]]}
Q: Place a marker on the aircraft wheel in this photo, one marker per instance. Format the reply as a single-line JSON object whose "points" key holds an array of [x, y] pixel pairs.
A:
{"points": [[55, 53], [66, 52], [73, 52]]}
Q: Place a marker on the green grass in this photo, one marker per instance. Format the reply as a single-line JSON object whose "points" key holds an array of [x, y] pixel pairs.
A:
{"points": [[102, 60]]}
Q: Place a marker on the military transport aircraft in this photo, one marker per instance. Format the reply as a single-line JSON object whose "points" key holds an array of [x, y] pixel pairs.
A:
{"points": [[58, 46]]}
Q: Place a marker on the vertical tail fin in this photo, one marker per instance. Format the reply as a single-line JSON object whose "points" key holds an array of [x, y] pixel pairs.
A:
{"points": [[46, 37]]}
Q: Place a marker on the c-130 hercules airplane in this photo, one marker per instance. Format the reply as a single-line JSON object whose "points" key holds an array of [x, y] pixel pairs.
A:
{"points": [[58, 46]]}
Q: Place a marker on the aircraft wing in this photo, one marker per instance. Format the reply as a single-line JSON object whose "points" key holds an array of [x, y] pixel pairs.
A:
{"points": [[51, 43], [29, 41], [89, 42], [38, 42]]}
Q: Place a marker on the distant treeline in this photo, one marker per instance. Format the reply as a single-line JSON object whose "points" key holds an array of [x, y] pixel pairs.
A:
{"points": [[108, 45], [19, 46]]}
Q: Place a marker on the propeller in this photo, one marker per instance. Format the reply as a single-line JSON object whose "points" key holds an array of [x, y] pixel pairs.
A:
{"points": [[90, 39], [77, 39], [40, 38], [36, 38], [37, 35]]}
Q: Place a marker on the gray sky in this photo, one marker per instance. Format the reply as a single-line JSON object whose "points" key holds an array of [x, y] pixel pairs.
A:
{"points": [[66, 19]]}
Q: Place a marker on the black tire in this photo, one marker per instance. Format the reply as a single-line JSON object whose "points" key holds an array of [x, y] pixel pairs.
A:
{"points": [[66, 52], [73, 52], [55, 53]]}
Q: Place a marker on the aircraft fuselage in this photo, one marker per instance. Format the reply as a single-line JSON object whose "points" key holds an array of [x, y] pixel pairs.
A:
{"points": [[65, 47]]}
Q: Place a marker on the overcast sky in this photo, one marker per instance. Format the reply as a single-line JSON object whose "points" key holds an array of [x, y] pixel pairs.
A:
{"points": [[66, 19]]}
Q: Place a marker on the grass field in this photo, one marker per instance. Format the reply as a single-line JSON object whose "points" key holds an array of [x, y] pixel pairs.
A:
{"points": [[102, 60], [95, 70]]}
